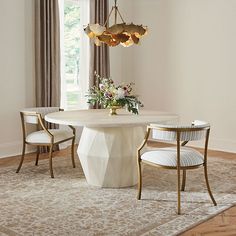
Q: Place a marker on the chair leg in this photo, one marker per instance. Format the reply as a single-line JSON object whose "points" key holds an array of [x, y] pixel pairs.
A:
{"points": [[183, 180], [50, 161], [178, 192], [208, 185], [37, 156], [73, 152], [22, 158], [139, 180]]}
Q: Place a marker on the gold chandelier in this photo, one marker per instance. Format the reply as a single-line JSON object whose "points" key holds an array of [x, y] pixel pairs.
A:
{"points": [[122, 33]]}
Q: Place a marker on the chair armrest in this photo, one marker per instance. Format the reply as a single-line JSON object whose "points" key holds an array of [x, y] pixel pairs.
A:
{"points": [[184, 143], [143, 142], [73, 129], [44, 127]]}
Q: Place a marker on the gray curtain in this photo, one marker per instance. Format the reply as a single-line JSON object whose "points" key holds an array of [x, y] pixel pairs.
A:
{"points": [[99, 55], [47, 56], [47, 53]]}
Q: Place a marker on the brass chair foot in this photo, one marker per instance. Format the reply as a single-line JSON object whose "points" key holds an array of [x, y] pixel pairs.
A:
{"points": [[183, 181]]}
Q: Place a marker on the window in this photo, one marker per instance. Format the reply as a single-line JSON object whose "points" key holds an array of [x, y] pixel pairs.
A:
{"points": [[74, 14]]}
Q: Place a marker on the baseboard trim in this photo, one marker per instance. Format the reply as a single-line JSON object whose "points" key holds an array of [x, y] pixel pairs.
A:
{"points": [[218, 145], [215, 144], [14, 149], [223, 145]]}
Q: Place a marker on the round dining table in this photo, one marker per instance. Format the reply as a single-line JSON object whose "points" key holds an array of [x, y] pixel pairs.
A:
{"points": [[108, 144]]}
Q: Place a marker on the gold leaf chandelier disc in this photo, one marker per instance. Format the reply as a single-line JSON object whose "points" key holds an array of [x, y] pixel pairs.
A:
{"points": [[122, 33]]}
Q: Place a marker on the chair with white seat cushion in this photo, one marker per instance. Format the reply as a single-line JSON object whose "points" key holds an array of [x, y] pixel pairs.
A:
{"points": [[176, 157], [43, 136]]}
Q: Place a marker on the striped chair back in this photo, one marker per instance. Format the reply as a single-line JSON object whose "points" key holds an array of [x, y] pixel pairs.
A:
{"points": [[196, 131]]}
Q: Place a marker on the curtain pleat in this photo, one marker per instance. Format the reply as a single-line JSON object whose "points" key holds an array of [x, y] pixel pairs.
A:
{"points": [[47, 56], [47, 53]]}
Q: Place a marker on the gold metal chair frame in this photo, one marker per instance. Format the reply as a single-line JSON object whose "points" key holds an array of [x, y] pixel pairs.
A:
{"points": [[178, 167], [50, 145]]}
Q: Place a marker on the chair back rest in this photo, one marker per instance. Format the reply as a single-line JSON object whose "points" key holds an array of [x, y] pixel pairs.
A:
{"points": [[30, 115], [196, 131]]}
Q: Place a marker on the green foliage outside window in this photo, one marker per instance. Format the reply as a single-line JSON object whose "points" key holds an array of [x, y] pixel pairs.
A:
{"points": [[71, 49]]}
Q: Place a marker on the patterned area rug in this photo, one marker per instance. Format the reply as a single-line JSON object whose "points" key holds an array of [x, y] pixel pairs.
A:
{"points": [[31, 203]]}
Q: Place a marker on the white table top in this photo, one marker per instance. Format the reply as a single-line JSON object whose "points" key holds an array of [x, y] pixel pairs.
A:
{"points": [[101, 118]]}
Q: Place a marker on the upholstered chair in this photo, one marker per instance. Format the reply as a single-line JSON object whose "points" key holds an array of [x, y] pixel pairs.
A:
{"points": [[43, 136], [179, 157]]}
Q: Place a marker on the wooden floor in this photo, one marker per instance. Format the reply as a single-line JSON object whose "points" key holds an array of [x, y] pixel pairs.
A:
{"points": [[223, 224]]}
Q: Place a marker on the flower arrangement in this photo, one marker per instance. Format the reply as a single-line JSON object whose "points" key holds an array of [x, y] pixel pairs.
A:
{"points": [[110, 95]]}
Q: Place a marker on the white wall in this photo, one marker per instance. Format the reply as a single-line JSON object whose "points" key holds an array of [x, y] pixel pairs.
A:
{"points": [[120, 57], [16, 71], [185, 65], [187, 62]]}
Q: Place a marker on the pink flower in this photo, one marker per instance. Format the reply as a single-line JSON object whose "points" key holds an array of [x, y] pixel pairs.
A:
{"points": [[101, 86], [108, 95]]}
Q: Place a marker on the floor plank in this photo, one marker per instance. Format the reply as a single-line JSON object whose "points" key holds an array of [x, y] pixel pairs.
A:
{"points": [[223, 224]]}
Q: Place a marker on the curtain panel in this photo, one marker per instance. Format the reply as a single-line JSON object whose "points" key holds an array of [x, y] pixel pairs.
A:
{"points": [[99, 55], [47, 53], [47, 57]]}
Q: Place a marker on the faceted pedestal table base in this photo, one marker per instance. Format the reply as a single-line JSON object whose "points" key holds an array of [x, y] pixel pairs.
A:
{"points": [[108, 155]]}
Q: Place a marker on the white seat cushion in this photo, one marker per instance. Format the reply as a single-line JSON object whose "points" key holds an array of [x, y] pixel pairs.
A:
{"points": [[42, 137], [168, 157]]}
